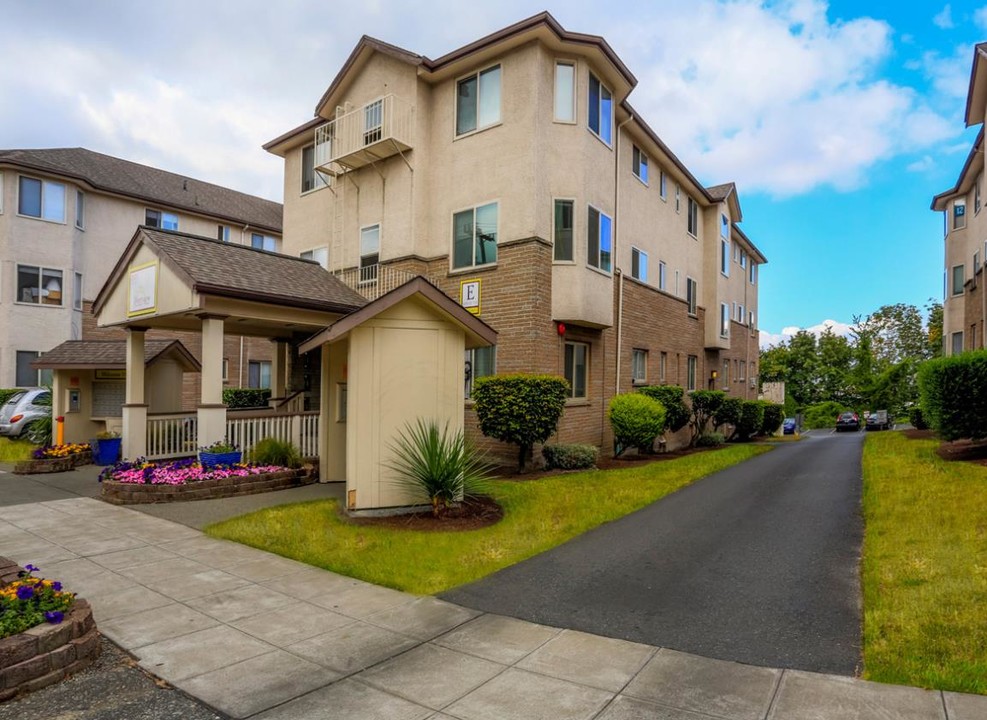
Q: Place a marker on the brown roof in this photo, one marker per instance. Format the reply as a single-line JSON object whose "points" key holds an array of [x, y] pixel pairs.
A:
{"points": [[719, 193], [965, 179], [150, 185], [212, 267], [110, 354]]}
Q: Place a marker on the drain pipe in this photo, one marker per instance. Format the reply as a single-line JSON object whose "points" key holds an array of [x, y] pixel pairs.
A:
{"points": [[619, 273]]}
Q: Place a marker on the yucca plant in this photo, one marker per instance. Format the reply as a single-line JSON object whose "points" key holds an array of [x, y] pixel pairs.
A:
{"points": [[437, 465]]}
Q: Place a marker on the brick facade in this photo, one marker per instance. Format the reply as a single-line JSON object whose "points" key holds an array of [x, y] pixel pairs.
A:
{"points": [[973, 313]]}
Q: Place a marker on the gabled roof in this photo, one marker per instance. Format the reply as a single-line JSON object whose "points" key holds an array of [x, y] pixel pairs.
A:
{"points": [[976, 96], [211, 267], [758, 255], [479, 334], [149, 185], [112, 355], [974, 162]]}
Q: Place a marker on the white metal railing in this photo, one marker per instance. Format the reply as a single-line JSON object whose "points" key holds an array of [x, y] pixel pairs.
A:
{"points": [[176, 435], [387, 118], [374, 280], [172, 435]]}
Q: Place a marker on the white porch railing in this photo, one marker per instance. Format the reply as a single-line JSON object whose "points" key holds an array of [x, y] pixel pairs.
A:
{"points": [[374, 280], [368, 133], [176, 435]]}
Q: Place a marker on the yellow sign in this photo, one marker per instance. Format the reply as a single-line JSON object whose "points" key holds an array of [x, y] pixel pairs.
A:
{"points": [[469, 295], [107, 374], [143, 296]]}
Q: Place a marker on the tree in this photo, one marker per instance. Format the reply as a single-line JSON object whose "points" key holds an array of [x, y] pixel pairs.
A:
{"points": [[705, 403], [933, 331], [835, 357], [802, 371], [896, 334]]}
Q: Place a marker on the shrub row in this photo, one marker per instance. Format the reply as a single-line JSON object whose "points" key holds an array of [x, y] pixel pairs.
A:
{"points": [[241, 398], [569, 457], [953, 393]]}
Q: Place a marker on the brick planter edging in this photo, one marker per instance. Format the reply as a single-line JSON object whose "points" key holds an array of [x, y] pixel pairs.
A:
{"points": [[120, 493], [46, 653], [50, 465]]}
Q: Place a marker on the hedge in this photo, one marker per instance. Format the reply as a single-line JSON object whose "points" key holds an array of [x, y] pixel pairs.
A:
{"points": [[636, 421], [672, 397], [574, 456], [241, 398], [774, 416], [751, 419], [953, 393]]}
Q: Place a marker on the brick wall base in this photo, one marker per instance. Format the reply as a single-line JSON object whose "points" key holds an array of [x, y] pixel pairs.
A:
{"points": [[119, 493]]}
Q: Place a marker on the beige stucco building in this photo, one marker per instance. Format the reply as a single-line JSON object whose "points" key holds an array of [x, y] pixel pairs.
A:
{"points": [[515, 175], [66, 215], [965, 230]]}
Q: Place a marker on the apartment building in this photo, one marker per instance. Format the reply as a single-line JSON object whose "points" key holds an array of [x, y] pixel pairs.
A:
{"points": [[515, 176], [965, 230], [66, 214]]}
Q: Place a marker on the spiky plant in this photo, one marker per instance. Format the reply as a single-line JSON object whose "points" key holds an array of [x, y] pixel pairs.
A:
{"points": [[438, 465]]}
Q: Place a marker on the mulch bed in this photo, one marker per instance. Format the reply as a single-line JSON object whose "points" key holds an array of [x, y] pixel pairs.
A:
{"points": [[964, 450], [471, 514]]}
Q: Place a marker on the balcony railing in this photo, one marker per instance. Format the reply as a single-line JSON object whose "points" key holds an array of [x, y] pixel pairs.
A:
{"points": [[176, 435], [372, 132], [372, 281]]}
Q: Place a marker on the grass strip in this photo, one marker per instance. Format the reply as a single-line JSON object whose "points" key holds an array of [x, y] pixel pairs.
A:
{"points": [[924, 566], [15, 450], [538, 515]]}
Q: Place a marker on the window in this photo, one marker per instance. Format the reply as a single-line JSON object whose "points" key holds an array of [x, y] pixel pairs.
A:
{"points": [[677, 283], [740, 313], [373, 122], [663, 185], [662, 273], [600, 109], [693, 218], [639, 265], [678, 197], [724, 320], [662, 366], [957, 343], [41, 199], [226, 369], [725, 375], [976, 261], [478, 100], [28, 376], [742, 375], [743, 258], [77, 292], [1, 193], [959, 214], [223, 233], [750, 318], [312, 179], [259, 374], [480, 362], [691, 368], [565, 92], [724, 226], [563, 230], [691, 291], [639, 162], [320, 255], [40, 286], [725, 257], [263, 242], [369, 252], [976, 196], [753, 272], [599, 239], [474, 236], [639, 366], [576, 355], [161, 219], [80, 210], [958, 279]]}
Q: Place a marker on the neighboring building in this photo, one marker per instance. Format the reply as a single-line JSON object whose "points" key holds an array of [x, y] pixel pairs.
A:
{"points": [[514, 175], [965, 229], [66, 215]]}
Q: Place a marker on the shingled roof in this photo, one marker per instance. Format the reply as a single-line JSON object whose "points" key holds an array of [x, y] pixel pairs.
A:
{"points": [[212, 267], [151, 185], [109, 354]]}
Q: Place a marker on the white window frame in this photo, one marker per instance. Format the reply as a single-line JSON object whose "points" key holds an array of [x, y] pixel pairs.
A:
{"points": [[45, 184], [260, 375], [598, 265], [663, 185], [608, 141], [724, 226], [662, 275], [662, 366], [319, 180], [639, 366], [479, 100], [572, 242], [959, 214], [725, 372], [80, 209], [691, 296], [692, 218], [753, 273], [452, 241], [566, 369], [571, 120], [724, 320], [77, 292], [162, 216], [41, 377], [743, 258], [636, 256], [742, 373], [223, 233], [368, 270], [264, 241], [471, 377], [42, 290], [315, 253], [678, 198], [639, 164], [691, 372], [956, 340], [226, 369], [957, 288], [724, 257], [976, 195]]}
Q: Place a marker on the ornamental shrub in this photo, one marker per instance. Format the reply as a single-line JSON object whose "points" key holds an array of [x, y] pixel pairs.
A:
{"points": [[774, 416], [705, 403], [916, 418], [272, 451], [751, 419], [953, 393], [672, 398], [241, 398], [822, 415], [636, 421], [574, 456], [710, 439], [520, 409], [729, 412]]}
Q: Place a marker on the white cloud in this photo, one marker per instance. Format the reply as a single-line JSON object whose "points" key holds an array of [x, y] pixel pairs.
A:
{"points": [[944, 19], [924, 164], [768, 339]]}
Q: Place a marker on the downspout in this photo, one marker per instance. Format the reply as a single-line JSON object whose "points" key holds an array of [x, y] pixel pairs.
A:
{"points": [[620, 274]]}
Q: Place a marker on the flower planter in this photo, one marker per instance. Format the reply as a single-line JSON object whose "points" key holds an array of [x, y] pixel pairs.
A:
{"points": [[106, 451], [50, 465], [212, 459], [120, 493]]}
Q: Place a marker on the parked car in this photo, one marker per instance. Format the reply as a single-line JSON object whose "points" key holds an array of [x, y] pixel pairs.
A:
{"points": [[847, 421], [878, 420], [788, 427], [22, 409]]}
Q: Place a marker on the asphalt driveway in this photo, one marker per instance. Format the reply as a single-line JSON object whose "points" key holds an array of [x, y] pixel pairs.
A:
{"points": [[757, 564]]}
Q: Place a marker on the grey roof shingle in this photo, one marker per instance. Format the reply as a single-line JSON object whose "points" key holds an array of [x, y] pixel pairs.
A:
{"points": [[157, 187], [721, 192], [231, 270], [103, 353]]}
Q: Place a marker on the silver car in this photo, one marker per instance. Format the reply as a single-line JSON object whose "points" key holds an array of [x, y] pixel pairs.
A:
{"points": [[22, 409]]}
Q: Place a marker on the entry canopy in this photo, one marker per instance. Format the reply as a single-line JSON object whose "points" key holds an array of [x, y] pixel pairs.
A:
{"points": [[112, 355]]}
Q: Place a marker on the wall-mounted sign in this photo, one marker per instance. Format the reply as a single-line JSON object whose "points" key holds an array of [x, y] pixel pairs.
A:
{"points": [[143, 296], [111, 374], [469, 295]]}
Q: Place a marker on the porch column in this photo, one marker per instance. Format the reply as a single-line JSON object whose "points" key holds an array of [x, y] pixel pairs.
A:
{"points": [[134, 442], [211, 410], [279, 370]]}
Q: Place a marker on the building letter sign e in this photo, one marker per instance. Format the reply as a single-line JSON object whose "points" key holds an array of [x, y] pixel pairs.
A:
{"points": [[469, 295]]}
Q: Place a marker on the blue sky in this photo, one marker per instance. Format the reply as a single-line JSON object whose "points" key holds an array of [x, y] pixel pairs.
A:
{"points": [[837, 121]]}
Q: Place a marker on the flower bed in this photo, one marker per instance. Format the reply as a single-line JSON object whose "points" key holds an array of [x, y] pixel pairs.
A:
{"points": [[55, 458], [45, 632], [145, 482]]}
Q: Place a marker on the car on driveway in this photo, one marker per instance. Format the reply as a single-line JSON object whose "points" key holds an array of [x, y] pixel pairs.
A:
{"points": [[788, 427], [878, 420], [22, 409], [847, 421]]}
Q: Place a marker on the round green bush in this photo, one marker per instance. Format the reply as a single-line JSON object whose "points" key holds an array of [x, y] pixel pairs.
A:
{"points": [[636, 421], [710, 439], [672, 398], [569, 457]]}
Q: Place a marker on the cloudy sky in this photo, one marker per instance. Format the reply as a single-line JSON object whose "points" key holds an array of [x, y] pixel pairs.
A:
{"points": [[838, 121]]}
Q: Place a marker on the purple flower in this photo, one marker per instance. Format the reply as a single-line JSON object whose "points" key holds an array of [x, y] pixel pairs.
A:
{"points": [[31, 568], [25, 592], [54, 616], [56, 586]]}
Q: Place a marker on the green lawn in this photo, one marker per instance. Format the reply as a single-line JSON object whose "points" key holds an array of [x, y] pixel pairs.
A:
{"points": [[924, 566], [15, 450], [538, 515]]}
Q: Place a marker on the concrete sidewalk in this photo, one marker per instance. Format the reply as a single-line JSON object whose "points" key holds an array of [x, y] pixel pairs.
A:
{"points": [[255, 635]]}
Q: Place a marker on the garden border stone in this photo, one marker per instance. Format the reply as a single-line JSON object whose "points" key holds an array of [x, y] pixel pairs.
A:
{"points": [[46, 653], [51, 465], [119, 493]]}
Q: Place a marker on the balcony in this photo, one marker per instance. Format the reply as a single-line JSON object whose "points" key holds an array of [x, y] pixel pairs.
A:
{"points": [[363, 136]]}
